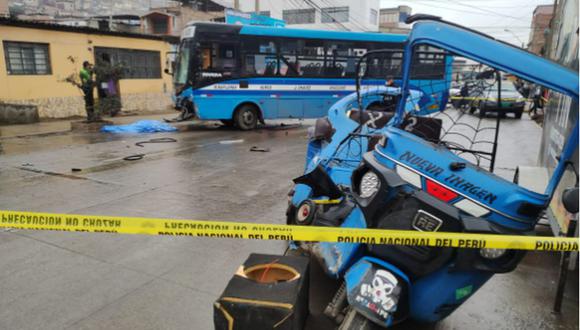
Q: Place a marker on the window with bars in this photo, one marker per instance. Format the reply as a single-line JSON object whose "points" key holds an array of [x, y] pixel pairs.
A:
{"points": [[25, 58], [298, 16], [334, 15], [136, 64]]}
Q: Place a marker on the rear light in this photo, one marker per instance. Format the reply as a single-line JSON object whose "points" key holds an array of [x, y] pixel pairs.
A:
{"points": [[440, 192]]}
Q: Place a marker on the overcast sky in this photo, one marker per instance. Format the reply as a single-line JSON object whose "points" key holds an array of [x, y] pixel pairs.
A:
{"points": [[489, 16]]}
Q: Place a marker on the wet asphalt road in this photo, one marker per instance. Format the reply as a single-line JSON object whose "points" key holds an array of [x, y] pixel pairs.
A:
{"points": [[52, 280]]}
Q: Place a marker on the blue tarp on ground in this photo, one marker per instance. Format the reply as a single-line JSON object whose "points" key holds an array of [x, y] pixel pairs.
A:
{"points": [[140, 126]]}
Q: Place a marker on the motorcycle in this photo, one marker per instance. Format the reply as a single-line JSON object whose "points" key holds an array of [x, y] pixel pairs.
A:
{"points": [[401, 180]]}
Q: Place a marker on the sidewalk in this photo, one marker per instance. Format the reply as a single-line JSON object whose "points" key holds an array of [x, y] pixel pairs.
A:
{"points": [[63, 126]]}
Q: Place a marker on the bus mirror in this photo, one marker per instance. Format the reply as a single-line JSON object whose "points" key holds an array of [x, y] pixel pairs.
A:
{"points": [[170, 61]]}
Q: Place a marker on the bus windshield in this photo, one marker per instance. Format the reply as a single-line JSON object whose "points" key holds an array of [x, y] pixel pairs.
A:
{"points": [[182, 63]]}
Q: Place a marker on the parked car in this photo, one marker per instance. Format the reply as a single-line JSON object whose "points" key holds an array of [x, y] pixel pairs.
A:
{"points": [[511, 100]]}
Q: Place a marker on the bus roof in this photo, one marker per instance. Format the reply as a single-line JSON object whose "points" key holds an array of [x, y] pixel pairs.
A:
{"points": [[299, 33]]}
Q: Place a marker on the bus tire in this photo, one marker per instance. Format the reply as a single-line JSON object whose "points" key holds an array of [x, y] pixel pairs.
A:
{"points": [[246, 117]]}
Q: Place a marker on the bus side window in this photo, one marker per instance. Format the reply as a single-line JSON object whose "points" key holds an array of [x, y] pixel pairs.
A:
{"points": [[358, 50], [339, 59], [259, 57], [387, 63], [289, 62], [311, 57], [428, 63]]}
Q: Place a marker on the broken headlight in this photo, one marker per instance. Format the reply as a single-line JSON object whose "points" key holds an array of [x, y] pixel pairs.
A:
{"points": [[492, 254], [369, 184]]}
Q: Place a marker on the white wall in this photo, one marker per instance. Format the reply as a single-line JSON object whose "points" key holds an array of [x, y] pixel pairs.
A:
{"points": [[359, 12]]}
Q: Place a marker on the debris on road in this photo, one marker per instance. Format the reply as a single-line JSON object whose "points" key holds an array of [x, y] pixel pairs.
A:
{"points": [[140, 126], [258, 149], [283, 126], [134, 157], [157, 140]]}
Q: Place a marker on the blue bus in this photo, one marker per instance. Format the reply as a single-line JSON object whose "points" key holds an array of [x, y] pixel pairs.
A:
{"points": [[243, 75]]}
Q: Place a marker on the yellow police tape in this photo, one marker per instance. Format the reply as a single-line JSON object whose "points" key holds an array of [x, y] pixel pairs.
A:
{"points": [[221, 229], [471, 98]]}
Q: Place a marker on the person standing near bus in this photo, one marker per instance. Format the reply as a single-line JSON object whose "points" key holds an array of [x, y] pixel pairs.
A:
{"points": [[537, 102], [86, 76]]}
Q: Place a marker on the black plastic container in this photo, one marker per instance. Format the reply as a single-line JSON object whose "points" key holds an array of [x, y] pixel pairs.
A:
{"points": [[267, 292]]}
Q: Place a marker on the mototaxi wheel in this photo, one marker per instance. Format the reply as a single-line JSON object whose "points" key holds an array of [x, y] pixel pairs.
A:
{"points": [[481, 110]]}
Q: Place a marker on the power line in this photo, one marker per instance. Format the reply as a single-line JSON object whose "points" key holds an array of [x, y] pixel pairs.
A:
{"points": [[428, 3], [315, 6], [485, 10], [295, 4], [482, 11], [352, 18]]}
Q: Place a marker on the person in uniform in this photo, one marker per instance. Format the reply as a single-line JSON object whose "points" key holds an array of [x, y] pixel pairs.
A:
{"points": [[87, 83]]}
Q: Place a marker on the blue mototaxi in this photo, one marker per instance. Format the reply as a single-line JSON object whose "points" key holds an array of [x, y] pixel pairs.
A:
{"points": [[405, 182]]}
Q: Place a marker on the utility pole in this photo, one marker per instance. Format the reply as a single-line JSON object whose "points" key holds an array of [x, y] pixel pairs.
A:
{"points": [[111, 16], [257, 6], [237, 4]]}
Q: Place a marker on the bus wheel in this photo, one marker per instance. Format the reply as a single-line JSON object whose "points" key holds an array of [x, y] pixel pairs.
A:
{"points": [[246, 117]]}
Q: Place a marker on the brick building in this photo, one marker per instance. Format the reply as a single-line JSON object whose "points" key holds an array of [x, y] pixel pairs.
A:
{"points": [[4, 8], [540, 23]]}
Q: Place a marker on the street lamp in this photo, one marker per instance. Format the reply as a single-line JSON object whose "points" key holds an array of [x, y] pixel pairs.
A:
{"points": [[515, 35]]}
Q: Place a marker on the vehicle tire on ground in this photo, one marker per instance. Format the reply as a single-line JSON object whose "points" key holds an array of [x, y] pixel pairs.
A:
{"points": [[456, 104], [481, 110], [246, 117], [228, 122], [355, 321]]}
